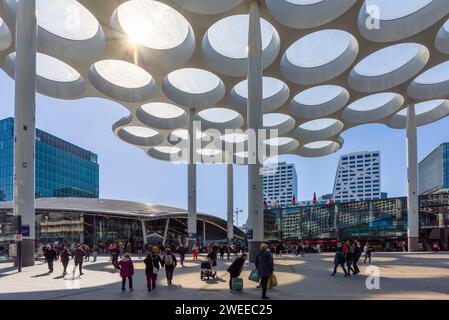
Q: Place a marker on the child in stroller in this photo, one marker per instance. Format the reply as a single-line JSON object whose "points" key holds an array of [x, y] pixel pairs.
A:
{"points": [[206, 270]]}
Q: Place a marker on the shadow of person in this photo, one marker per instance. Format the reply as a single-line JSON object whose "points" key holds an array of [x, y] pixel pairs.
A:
{"points": [[60, 277], [41, 275]]}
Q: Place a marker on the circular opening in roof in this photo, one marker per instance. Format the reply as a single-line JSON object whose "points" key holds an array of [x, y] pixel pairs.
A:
{"points": [[208, 6], [373, 101], [167, 149], [67, 19], [218, 115], [153, 24], [434, 75], [280, 141], [141, 132], [318, 95], [319, 144], [183, 134], [163, 110], [5, 35], [423, 107], [274, 119], [319, 48], [193, 81], [388, 59], [123, 74], [234, 138], [229, 36], [320, 124], [271, 86], [393, 10], [53, 69]]}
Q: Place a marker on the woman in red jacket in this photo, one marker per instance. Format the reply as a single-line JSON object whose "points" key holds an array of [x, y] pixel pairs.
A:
{"points": [[126, 271]]}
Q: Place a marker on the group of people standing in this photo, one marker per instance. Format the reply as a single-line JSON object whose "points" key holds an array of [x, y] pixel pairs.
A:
{"points": [[349, 254]]}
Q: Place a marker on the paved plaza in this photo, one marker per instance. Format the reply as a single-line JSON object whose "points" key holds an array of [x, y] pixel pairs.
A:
{"points": [[402, 276]]}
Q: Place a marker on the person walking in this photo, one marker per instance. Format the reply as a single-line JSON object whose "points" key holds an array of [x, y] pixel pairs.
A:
{"points": [[126, 271], [65, 257], [436, 247], [212, 257], [339, 260], [357, 255], [182, 254], [349, 258], [195, 252], [235, 269], [115, 253], [50, 257], [169, 262], [222, 252], [228, 251], [87, 251], [367, 249], [95, 250], [265, 267], [139, 251], [78, 257], [128, 248], [152, 266]]}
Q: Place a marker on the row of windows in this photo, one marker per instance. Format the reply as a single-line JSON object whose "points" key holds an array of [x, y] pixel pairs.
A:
{"points": [[368, 155]]}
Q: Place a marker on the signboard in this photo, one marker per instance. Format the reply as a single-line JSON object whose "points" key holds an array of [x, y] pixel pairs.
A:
{"points": [[250, 234], [191, 236], [25, 231], [18, 237], [13, 250]]}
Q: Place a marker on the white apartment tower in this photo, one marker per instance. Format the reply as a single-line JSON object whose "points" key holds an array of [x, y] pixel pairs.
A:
{"points": [[280, 183], [358, 177]]}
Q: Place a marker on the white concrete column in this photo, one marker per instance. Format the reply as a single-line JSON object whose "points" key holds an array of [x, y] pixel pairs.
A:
{"points": [[230, 202], [191, 177], [144, 231], [255, 122], [204, 233], [412, 176], [167, 222], [24, 123]]}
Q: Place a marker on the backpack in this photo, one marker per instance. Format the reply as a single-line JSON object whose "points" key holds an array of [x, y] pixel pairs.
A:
{"points": [[168, 260]]}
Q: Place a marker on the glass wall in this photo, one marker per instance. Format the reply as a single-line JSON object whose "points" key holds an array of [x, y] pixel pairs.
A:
{"points": [[62, 169]]}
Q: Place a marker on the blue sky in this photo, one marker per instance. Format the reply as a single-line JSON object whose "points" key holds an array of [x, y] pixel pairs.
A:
{"points": [[127, 173]]}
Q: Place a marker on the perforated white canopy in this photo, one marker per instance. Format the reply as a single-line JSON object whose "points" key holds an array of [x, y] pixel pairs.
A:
{"points": [[329, 65]]}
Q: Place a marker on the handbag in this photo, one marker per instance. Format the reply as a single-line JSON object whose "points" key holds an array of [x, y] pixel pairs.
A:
{"points": [[272, 282], [254, 276], [237, 284], [155, 271]]}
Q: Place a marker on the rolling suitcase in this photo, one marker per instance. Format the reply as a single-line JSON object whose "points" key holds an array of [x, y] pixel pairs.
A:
{"points": [[237, 284]]}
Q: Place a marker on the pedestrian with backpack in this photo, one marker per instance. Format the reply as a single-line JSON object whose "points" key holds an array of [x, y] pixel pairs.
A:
{"points": [[169, 262], [235, 269]]}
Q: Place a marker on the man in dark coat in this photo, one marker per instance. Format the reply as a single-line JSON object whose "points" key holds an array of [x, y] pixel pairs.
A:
{"points": [[78, 257], [265, 267], [357, 254], [339, 260], [235, 269], [50, 256]]}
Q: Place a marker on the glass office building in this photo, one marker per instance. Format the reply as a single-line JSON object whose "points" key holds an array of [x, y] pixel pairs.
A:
{"points": [[381, 220], [62, 168], [433, 173]]}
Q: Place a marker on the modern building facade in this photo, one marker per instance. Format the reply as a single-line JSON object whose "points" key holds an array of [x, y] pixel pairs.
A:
{"points": [[433, 171], [382, 220], [358, 177], [62, 168], [103, 221], [280, 184]]}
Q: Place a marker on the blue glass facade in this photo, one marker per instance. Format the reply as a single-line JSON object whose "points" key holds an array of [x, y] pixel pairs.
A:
{"points": [[445, 147], [62, 169]]}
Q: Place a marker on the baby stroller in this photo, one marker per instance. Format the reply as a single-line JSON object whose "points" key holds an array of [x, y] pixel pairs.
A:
{"points": [[206, 270]]}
